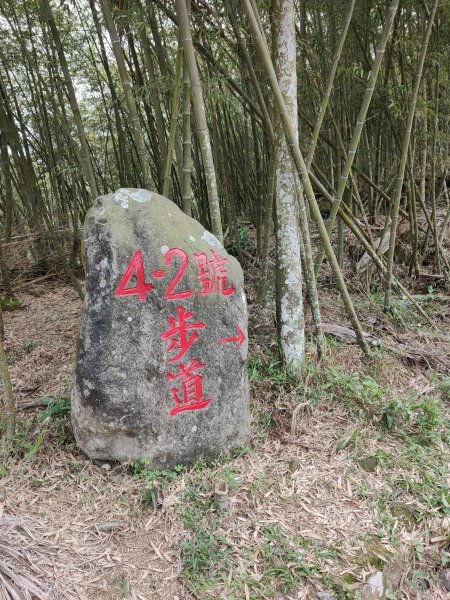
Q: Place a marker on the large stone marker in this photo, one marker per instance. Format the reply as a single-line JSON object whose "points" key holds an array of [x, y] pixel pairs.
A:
{"points": [[160, 370]]}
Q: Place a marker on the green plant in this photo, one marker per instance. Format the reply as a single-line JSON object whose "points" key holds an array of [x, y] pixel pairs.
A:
{"points": [[269, 368], [415, 416], [30, 345], [284, 566], [56, 407], [443, 388], [421, 471], [11, 303], [29, 436], [153, 479], [442, 499], [244, 234], [140, 470], [403, 313], [362, 395]]}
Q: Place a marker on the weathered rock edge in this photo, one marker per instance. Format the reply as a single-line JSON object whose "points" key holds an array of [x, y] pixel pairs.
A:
{"points": [[121, 399]]}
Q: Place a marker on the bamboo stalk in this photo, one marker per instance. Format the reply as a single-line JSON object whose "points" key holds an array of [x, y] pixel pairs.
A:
{"points": [[403, 159], [187, 144], [447, 216], [10, 414], [414, 264], [437, 260], [326, 95], [267, 232], [430, 231], [158, 100], [289, 276], [128, 93], [86, 163], [203, 133], [350, 221], [5, 274], [303, 172], [359, 123], [173, 122]]}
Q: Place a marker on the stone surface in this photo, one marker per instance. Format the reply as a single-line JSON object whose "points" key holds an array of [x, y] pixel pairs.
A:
{"points": [[369, 464], [381, 585], [394, 571], [325, 596], [445, 578], [374, 589], [170, 399]]}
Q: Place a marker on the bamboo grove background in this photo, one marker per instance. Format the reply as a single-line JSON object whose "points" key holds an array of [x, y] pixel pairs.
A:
{"points": [[179, 98]]}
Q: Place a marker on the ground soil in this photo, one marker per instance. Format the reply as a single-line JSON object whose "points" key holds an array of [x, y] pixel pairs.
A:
{"points": [[89, 532]]}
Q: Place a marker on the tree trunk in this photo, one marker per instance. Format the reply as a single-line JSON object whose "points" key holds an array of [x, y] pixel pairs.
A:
{"points": [[291, 328], [10, 415]]}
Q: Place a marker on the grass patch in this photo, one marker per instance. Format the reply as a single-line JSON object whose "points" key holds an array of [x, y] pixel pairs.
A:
{"points": [[10, 303], [216, 559], [403, 313], [30, 435]]}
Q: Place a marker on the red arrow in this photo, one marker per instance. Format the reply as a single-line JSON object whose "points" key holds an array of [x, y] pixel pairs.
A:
{"points": [[240, 339]]}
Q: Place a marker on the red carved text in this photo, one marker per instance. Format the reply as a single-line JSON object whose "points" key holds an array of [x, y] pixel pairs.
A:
{"points": [[191, 388], [170, 254], [141, 289], [213, 275], [178, 333]]}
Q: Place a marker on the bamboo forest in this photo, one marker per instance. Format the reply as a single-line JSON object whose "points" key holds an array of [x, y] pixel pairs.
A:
{"points": [[224, 299]]}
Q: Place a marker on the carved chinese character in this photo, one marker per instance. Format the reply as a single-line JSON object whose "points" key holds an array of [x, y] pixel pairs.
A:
{"points": [[213, 275], [178, 333], [191, 388]]}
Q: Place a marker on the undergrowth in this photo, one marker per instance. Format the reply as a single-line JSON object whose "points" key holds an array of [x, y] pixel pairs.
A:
{"points": [[213, 556], [30, 435], [403, 313], [325, 385], [415, 424]]}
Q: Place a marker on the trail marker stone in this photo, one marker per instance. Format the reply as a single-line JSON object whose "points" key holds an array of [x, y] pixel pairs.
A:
{"points": [[160, 371]]}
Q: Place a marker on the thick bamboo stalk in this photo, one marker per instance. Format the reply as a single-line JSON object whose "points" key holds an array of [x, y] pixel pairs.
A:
{"points": [[186, 185], [305, 243], [302, 170], [202, 125], [289, 298]]}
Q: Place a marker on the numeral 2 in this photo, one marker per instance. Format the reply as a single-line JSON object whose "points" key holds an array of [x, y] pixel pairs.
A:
{"points": [[170, 254]]}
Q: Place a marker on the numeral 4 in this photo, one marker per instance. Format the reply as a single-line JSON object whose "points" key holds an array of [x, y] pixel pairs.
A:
{"points": [[142, 289]]}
